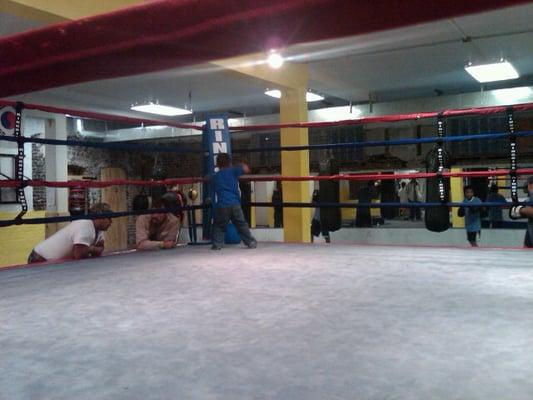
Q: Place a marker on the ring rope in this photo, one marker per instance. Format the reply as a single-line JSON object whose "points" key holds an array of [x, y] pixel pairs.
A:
{"points": [[388, 118], [100, 116], [386, 205], [183, 150], [48, 220], [248, 178], [103, 145], [118, 214], [378, 143]]}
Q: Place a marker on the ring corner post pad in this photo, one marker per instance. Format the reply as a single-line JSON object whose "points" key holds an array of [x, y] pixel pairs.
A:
{"points": [[216, 140]]}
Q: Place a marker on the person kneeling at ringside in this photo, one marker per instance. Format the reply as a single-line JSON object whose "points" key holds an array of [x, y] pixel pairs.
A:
{"points": [[82, 238], [517, 212], [157, 231]]}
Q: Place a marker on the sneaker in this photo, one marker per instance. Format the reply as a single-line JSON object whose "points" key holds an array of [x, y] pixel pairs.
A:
{"points": [[252, 245], [213, 247]]}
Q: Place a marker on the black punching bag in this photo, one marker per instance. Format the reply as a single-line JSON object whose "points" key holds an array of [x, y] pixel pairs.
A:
{"points": [[437, 219], [330, 217]]}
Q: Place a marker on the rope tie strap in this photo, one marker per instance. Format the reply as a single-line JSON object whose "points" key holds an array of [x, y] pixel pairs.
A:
{"points": [[19, 163], [440, 158], [513, 156]]}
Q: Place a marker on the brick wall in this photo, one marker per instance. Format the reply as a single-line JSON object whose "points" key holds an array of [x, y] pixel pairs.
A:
{"points": [[137, 164]]}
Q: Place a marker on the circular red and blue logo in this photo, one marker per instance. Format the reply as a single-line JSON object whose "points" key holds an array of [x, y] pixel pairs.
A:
{"points": [[7, 120]]}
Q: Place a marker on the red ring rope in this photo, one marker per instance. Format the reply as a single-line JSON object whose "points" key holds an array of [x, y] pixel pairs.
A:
{"points": [[273, 178]]}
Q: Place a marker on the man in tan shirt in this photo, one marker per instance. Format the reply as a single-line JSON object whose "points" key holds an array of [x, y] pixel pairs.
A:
{"points": [[156, 231]]}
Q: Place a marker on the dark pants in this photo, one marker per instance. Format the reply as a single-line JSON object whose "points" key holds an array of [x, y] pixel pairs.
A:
{"points": [[414, 212], [35, 258], [528, 241], [363, 219], [222, 217], [278, 217], [472, 237]]}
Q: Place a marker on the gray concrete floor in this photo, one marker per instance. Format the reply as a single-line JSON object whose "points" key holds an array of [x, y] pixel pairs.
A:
{"points": [[279, 322]]}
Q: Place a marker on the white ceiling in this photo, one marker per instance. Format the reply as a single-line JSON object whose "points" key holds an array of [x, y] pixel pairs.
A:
{"points": [[400, 64], [11, 24]]}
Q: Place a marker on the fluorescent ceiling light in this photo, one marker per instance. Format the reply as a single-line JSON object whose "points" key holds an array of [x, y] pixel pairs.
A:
{"points": [[160, 109], [274, 93], [309, 96], [513, 94], [275, 60], [500, 71]]}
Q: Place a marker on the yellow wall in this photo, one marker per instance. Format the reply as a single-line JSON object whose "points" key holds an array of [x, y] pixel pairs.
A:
{"points": [[270, 216], [17, 241], [348, 214], [457, 196]]}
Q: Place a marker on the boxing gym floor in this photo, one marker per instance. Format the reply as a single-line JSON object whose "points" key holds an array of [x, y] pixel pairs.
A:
{"points": [[283, 321]]}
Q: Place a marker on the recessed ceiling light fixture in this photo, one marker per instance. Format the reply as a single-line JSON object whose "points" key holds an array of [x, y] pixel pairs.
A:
{"points": [[160, 109], [273, 93], [499, 71], [275, 60], [513, 94], [309, 96]]}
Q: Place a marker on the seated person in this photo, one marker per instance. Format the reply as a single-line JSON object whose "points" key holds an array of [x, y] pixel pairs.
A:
{"points": [[157, 231], [80, 239]]}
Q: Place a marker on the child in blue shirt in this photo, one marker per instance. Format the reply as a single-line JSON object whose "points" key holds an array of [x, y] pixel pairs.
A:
{"points": [[472, 216], [228, 202]]}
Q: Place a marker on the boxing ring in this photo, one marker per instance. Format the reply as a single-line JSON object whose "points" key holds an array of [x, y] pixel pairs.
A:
{"points": [[284, 321]]}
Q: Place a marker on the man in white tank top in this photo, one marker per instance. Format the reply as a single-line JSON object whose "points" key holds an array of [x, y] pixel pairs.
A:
{"points": [[80, 239]]}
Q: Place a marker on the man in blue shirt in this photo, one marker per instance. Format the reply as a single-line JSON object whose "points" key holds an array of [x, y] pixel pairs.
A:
{"points": [[228, 202], [472, 216]]}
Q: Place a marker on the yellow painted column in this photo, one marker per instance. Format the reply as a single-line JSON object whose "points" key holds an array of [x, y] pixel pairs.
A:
{"points": [[252, 209], [291, 79], [456, 196], [296, 221]]}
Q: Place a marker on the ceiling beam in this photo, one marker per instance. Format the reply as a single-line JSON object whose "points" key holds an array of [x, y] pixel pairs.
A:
{"points": [[179, 33], [61, 10], [290, 75], [12, 7]]}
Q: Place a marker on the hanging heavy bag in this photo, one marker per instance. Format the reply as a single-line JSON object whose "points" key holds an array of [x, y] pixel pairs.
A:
{"points": [[437, 219], [330, 217]]}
